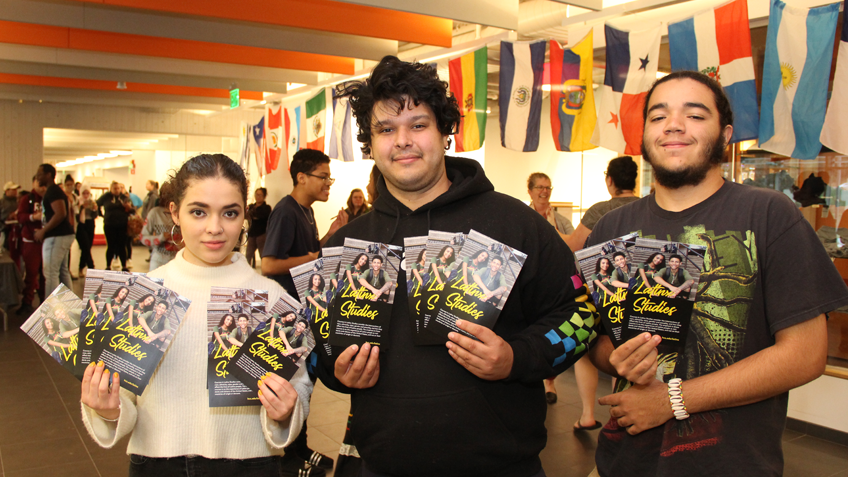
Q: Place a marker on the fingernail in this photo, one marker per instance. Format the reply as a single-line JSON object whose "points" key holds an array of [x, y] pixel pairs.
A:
{"points": [[92, 364], [100, 363], [458, 322], [355, 348], [366, 347], [259, 383], [106, 371], [115, 375], [646, 336], [260, 392]]}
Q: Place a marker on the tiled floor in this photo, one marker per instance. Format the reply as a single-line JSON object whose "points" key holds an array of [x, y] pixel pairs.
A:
{"points": [[41, 433]]}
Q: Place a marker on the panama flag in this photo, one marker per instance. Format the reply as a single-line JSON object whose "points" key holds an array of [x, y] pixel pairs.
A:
{"points": [[796, 69], [520, 95], [257, 145], [572, 98], [274, 145], [631, 70], [718, 43], [836, 122], [292, 132], [341, 142], [315, 117], [468, 84]]}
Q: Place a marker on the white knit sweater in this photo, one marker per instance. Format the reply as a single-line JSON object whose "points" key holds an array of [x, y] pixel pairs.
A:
{"points": [[172, 417]]}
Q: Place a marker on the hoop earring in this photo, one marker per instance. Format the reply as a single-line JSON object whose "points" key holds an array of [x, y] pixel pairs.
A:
{"points": [[449, 144], [244, 234], [182, 239]]}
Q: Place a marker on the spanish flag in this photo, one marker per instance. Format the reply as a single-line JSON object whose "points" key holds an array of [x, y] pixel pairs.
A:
{"points": [[468, 85], [572, 98]]}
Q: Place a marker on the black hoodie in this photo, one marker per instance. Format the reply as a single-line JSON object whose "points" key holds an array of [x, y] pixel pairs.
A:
{"points": [[429, 416]]}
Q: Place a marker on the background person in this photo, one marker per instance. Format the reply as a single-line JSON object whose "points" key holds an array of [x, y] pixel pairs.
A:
{"points": [[539, 188], [57, 233], [156, 232], [257, 215], [116, 208], [29, 216], [88, 212], [356, 205]]}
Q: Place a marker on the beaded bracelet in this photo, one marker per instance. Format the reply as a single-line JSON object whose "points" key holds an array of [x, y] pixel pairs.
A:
{"points": [[675, 395]]}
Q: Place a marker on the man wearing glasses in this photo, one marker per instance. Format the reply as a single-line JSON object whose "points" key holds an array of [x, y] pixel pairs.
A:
{"points": [[292, 239], [292, 231]]}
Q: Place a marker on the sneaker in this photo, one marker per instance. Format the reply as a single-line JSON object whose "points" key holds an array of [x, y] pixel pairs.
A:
{"points": [[115, 264], [318, 459], [129, 264]]}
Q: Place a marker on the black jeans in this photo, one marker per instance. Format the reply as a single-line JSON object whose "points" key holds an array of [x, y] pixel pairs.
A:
{"points": [[85, 239], [116, 243], [196, 466]]}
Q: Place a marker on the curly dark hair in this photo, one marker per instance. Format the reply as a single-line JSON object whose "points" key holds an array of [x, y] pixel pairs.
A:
{"points": [[725, 114], [623, 172], [401, 84], [206, 166]]}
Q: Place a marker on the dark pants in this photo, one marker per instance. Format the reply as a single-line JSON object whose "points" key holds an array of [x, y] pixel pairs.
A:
{"points": [[129, 247], [254, 244], [85, 239], [34, 280], [116, 243], [196, 466]]}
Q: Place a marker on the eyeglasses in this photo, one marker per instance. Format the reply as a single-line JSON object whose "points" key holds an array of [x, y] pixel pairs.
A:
{"points": [[543, 188], [327, 180]]}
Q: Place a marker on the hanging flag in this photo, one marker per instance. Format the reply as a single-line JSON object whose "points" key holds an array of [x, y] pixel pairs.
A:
{"points": [[718, 43], [292, 127], [315, 117], [468, 84], [573, 115], [834, 134], [273, 137], [257, 145], [631, 70], [796, 69], [520, 95], [341, 140], [244, 144]]}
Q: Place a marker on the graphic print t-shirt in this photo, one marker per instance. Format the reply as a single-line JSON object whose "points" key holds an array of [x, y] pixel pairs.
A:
{"points": [[742, 301]]}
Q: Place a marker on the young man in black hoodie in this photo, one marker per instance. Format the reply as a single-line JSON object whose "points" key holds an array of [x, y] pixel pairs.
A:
{"points": [[477, 407]]}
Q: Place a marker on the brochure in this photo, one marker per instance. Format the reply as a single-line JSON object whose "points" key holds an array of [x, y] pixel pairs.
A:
{"points": [[101, 286], [607, 270], [140, 323], [662, 291], [229, 325], [478, 286], [362, 311], [316, 283], [55, 327], [417, 276], [443, 248], [279, 345]]}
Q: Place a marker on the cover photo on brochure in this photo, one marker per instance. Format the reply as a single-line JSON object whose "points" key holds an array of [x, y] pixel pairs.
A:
{"points": [[440, 262], [317, 282], [139, 321], [55, 327], [477, 285], [101, 286], [606, 269], [417, 277], [361, 311], [279, 345], [229, 324]]}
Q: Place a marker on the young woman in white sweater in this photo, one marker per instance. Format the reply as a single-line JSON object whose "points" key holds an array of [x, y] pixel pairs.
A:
{"points": [[174, 431]]}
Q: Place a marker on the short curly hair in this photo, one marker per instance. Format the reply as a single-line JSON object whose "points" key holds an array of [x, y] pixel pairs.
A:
{"points": [[725, 113], [402, 84]]}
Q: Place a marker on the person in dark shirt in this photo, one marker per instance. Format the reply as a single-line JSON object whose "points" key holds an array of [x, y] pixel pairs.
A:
{"points": [[29, 216], [116, 209], [356, 205], [257, 215], [57, 234]]}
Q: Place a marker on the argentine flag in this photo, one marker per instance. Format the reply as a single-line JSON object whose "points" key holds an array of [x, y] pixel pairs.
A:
{"points": [[799, 50]]}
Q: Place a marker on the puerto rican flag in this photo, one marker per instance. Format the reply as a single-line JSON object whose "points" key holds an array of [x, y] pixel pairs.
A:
{"points": [[718, 43], [631, 70]]}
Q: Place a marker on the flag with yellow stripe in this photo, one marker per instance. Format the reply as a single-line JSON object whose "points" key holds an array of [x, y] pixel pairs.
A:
{"points": [[468, 85], [572, 100]]}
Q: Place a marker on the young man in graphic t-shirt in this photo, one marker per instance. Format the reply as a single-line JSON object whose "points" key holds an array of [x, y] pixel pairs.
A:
{"points": [[57, 233], [719, 406]]}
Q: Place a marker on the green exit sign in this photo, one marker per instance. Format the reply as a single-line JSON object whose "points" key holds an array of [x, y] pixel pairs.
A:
{"points": [[234, 98]]}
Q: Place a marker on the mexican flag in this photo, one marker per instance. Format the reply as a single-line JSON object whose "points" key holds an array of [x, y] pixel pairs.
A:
{"points": [[316, 108]]}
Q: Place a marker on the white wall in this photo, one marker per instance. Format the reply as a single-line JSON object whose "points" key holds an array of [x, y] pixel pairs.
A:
{"points": [[821, 402]]}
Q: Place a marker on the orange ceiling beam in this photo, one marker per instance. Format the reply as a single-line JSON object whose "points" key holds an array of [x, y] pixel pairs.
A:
{"points": [[322, 15], [107, 42], [102, 85]]}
